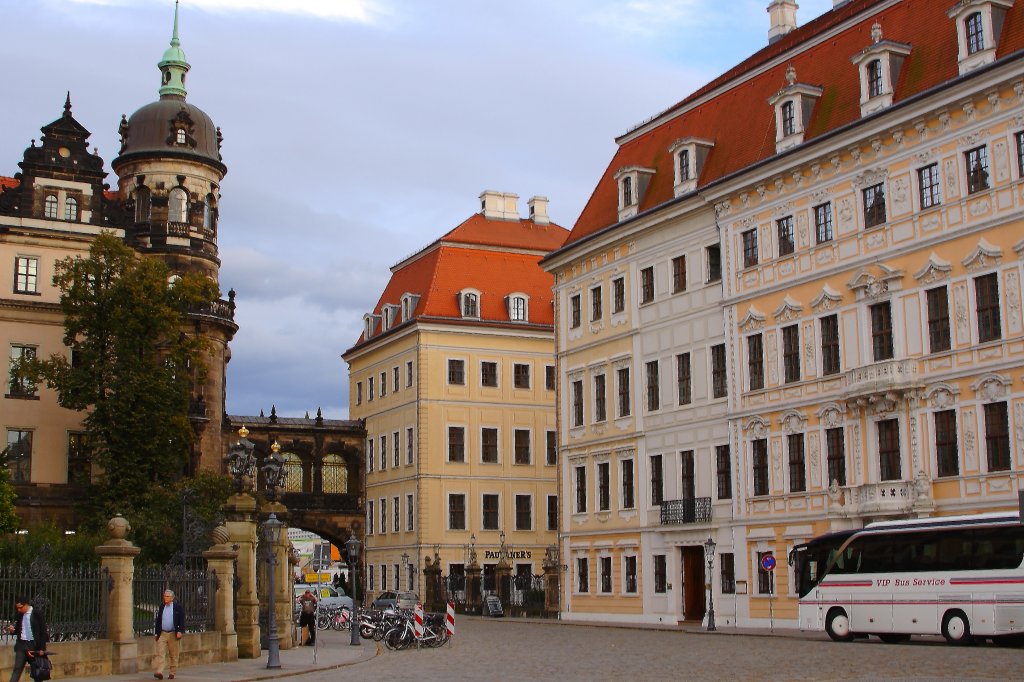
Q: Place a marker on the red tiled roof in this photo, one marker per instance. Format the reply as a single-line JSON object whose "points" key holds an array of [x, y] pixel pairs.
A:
{"points": [[740, 121], [8, 182], [511, 234]]}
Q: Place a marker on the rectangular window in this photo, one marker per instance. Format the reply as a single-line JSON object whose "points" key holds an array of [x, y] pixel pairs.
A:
{"points": [[26, 275], [396, 514], [581, 490], [765, 579], [678, 274], [408, 445], [687, 475], [574, 311], [829, 326], [623, 391], [596, 304], [21, 386], [457, 372], [369, 517], [797, 468], [977, 169], [383, 453], [456, 444], [997, 436], [660, 574], [551, 449], [396, 449], [618, 294], [647, 285], [604, 496], [750, 248], [657, 480], [874, 205], [889, 465], [369, 454], [759, 451], [938, 319], [628, 495], [489, 445], [835, 452], [490, 512], [549, 377], [410, 512], [383, 384], [369, 388], [606, 574], [19, 455], [79, 459], [394, 379], [791, 352], [1020, 154], [787, 243], [723, 467], [630, 570], [684, 164], [684, 378], [990, 326], [946, 453], [582, 575], [577, 402], [881, 331], [359, 393], [727, 561], [600, 399], [456, 511], [383, 576], [522, 446], [524, 512], [370, 576], [383, 516], [408, 373], [823, 223], [714, 258], [653, 389], [520, 375], [718, 380], [489, 374], [755, 362], [552, 512], [929, 186]]}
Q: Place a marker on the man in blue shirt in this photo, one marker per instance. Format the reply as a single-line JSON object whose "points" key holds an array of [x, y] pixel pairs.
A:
{"points": [[30, 635], [169, 626]]}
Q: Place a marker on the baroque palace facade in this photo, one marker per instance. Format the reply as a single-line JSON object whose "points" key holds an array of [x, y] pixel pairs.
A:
{"points": [[169, 169], [454, 376], [793, 305]]}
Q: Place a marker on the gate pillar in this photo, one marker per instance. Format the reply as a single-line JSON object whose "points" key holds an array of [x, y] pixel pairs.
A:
{"points": [[117, 556], [240, 510]]}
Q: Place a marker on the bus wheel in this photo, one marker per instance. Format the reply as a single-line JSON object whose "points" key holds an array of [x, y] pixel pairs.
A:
{"points": [[893, 638], [956, 628], [837, 625]]}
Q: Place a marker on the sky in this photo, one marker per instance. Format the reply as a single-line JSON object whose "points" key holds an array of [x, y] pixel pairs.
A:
{"points": [[358, 131]]}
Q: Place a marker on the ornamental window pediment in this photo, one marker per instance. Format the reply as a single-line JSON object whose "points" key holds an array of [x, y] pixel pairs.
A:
{"points": [[867, 284], [753, 320], [934, 270], [788, 311], [984, 255], [941, 395], [992, 386], [757, 427], [827, 300]]}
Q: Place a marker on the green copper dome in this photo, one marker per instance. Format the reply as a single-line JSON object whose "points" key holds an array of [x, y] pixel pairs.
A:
{"points": [[173, 66]]}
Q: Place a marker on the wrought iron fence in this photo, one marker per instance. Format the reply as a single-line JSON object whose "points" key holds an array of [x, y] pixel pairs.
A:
{"points": [[687, 510], [73, 599], [194, 588]]}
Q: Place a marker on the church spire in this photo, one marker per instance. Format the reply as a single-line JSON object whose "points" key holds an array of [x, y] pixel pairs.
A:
{"points": [[173, 66]]}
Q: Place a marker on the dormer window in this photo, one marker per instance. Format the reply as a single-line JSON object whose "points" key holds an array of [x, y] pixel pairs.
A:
{"points": [[793, 106], [979, 24], [880, 64], [469, 303], [409, 302], [369, 326], [690, 154], [70, 209], [632, 182], [50, 206], [517, 307]]}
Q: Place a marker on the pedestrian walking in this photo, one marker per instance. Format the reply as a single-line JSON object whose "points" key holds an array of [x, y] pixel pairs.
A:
{"points": [[30, 633], [307, 618], [169, 627]]}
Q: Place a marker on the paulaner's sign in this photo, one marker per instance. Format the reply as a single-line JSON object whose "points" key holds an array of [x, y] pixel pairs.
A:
{"points": [[518, 554]]}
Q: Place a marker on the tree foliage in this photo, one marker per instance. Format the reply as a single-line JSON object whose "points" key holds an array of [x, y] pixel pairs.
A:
{"points": [[131, 368], [8, 517]]}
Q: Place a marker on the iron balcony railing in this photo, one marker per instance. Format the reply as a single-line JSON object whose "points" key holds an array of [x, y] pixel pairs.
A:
{"points": [[692, 510]]}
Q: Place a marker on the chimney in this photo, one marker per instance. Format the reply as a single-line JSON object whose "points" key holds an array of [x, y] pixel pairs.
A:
{"points": [[539, 210], [499, 205], [783, 18]]}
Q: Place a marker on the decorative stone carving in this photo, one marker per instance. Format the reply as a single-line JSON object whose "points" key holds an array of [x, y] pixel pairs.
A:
{"points": [[777, 462], [788, 311], [915, 445], [973, 139], [921, 128], [830, 415], [1013, 303], [984, 256], [970, 453], [993, 100], [771, 361], [925, 157], [999, 161], [827, 300], [756, 428], [991, 386], [857, 455], [792, 422], [752, 321], [867, 285], [1019, 421], [944, 120], [952, 187], [812, 455], [897, 137], [979, 208], [941, 395], [934, 270], [801, 229], [845, 213], [722, 209], [118, 527], [809, 349], [820, 196], [969, 110], [901, 195], [855, 154], [960, 296], [870, 177]]}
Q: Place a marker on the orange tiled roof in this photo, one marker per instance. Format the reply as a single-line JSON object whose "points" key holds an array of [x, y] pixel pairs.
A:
{"points": [[741, 123], [511, 234], [8, 182]]}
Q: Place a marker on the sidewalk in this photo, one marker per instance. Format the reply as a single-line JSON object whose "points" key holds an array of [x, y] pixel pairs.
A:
{"points": [[333, 651]]}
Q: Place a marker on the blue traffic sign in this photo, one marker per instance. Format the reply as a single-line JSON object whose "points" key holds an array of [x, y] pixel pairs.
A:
{"points": [[768, 562]]}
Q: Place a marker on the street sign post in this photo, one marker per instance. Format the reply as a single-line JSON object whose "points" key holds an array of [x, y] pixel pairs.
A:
{"points": [[768, 565]]}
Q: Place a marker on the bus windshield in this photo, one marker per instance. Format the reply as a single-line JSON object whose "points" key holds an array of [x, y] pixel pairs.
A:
{"points": [[811, 561]]}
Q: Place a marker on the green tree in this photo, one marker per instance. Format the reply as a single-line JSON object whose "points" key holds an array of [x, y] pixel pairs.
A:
{"points": [[8, 517], [131, 368]]}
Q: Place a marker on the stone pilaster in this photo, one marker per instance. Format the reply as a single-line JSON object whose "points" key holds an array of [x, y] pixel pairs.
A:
{"points": [[240, 510], [473, 593], [220, 559], [117, 556]]}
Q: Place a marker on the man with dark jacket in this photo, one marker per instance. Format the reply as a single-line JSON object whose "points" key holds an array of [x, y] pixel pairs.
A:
{"points": [[169, 627], [30, 633]]}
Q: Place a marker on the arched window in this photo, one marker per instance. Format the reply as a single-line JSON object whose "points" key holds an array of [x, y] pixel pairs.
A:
{"points": [[181, 136], [788, 118], [50, 206], [142, 204], [975, 33], [334, 473], [874, 73], [208, 212], [293, 473], [470, 305], [517, 309], [70, 209], [177, 206]]}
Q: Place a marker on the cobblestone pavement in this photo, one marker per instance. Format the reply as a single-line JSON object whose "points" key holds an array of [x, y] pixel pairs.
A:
{"points": [[487, 649]]}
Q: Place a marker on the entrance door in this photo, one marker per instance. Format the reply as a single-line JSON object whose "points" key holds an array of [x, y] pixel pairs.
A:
{"points": [[694, 601]]}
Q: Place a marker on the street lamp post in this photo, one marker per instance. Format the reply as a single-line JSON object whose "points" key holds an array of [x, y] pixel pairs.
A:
{"points": [[709, 554], [352, 552], [405, 567], [271, 533]]}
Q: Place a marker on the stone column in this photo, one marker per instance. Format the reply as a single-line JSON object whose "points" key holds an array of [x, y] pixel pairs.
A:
{"points": [[220, 559], [436, 597], [117, 556], [503, 582], [551, 588], [473, 595], [240, 510]]}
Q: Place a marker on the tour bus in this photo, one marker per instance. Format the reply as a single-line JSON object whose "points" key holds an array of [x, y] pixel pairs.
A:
{"points": [[959, 576]]}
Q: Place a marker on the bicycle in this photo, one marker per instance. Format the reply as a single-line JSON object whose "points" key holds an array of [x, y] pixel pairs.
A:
{"points": [[403, 636]]}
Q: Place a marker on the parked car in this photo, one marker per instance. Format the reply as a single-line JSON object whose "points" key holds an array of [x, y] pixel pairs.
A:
{"points": [[401, 600], [326, 595]]}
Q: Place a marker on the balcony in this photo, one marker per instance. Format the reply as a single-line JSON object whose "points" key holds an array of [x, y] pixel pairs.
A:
{"points": [[889, 497], [889, 379], [220, 310], [680, 512]]}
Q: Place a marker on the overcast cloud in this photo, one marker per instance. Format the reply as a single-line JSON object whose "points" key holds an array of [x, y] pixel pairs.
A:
{"points": [[357, 131]]}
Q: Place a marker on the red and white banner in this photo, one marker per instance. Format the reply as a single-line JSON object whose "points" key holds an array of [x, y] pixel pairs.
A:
{"points": [[417, 614], [449, 620]]}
